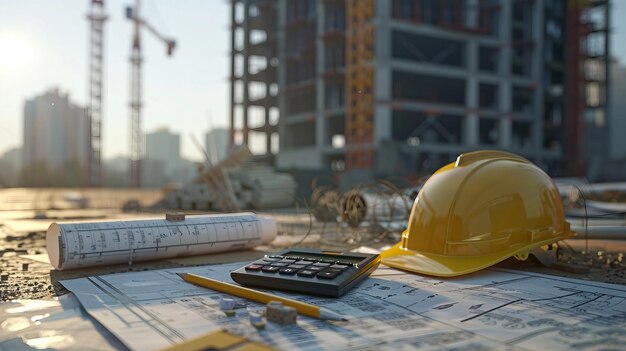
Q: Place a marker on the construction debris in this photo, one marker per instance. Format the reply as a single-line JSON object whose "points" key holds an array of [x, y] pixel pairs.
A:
{"points": [[276, 312], [257, 321], [232, 185], [380, 204], [389, 211], [228, 306], [604, 196]]}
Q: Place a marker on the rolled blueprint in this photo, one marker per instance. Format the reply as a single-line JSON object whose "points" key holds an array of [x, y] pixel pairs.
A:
{"points": [[85, 244]]}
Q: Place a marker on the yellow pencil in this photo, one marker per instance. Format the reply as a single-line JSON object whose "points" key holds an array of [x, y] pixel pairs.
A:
{"points": [[258, 296]]}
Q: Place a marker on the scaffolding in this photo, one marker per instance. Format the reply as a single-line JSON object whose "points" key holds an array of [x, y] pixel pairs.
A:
{"points": [[588, 82], [253, 72], [360, 41]]}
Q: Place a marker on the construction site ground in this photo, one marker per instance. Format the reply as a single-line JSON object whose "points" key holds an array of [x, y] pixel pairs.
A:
{"points": [[25, 274]]}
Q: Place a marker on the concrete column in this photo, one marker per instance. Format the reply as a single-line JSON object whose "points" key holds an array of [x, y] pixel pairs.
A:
{"points": [[281, 70], [537, 73], [268, 133], [266, 110], [471, 19], [320, 122], [470, 123], [231, 131], [506, 125], [506, 8], [382, 76], [246, 68]]}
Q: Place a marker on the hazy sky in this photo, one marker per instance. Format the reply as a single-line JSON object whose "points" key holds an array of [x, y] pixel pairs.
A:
{"points": [[43, 44], [50, 37]]}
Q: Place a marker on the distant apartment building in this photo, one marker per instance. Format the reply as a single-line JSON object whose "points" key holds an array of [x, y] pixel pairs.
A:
{"points": [[56, 132], [163, 145], [402, 87], [10, 167], [216, 144], [163, 163]]}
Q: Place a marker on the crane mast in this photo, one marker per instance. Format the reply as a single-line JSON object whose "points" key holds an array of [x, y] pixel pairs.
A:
{"points": [[96, 17], [136, 147], [136, 102]]}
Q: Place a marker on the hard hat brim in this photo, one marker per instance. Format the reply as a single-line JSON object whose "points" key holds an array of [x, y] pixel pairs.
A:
{"points": [[450, 266]]}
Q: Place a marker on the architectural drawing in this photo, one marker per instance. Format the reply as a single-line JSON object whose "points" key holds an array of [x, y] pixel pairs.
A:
{"points": [[393, 310]]}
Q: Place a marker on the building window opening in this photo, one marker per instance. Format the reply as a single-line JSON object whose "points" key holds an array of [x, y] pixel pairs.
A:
{"points": [[427, 49], [421, 87], [522, 138], [488, 96], [523, 100], [488, 59], [488, 131]]}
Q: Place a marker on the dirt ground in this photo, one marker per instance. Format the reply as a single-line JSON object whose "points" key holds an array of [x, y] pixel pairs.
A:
{"points": [[26, 274], [25, 214]]}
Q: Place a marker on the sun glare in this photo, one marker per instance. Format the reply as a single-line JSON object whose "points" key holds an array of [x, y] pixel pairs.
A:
{"points": [[16, 52]]}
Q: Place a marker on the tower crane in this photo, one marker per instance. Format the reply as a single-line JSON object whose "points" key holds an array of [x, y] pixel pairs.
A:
{"points": [[96, 16], [136, 104]]}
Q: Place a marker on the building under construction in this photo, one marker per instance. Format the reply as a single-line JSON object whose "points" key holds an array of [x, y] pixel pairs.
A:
{"points": [[402, 87]]}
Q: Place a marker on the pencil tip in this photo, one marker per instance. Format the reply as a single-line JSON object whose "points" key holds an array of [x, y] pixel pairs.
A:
{"points": [[182, 275]]}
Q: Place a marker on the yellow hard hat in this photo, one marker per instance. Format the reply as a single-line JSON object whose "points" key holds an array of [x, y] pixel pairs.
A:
{"points": [[478, 211]]}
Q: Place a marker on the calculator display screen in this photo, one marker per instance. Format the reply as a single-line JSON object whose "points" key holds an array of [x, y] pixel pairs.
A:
{"points": [[338, 258]]}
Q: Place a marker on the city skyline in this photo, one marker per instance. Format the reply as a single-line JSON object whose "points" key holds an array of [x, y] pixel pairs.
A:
{"points": [[180, 92]]}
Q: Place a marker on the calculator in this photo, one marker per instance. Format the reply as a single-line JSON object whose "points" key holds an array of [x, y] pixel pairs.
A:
{"points": [[309, 271]]}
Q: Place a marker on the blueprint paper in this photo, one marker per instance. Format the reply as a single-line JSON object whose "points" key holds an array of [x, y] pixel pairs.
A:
{"points": [[83, 244], [54, 324], [392, 310]]}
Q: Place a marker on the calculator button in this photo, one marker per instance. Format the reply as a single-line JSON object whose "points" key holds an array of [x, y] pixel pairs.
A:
{"points": [[270, 269], [292, 258], [307, 273], [328, 261], [288, 270], [296, 266], [339, 266], [320, 264], [254, 267], [276, 256], [316, 269], [328, 274], [287, 261], [268, 259], [261, 262], [306, 263], [279, 264]]}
